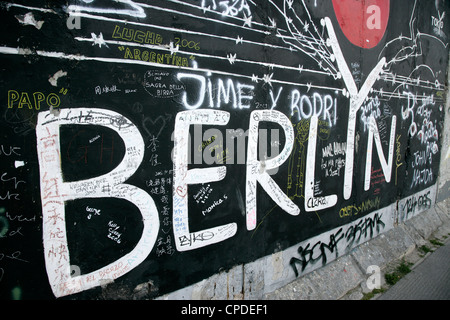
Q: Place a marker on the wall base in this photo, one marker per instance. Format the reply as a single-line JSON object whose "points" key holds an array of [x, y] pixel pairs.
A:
{"points": [[343, 278]]}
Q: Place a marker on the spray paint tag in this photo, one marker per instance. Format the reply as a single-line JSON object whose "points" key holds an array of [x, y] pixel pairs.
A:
{"points": [[363, 22]]}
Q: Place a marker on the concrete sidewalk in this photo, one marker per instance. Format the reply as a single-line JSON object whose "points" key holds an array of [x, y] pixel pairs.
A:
{"points": [[428, 280]]}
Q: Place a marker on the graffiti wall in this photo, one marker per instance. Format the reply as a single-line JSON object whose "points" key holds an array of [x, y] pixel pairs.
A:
{"points": [[166, 141]]}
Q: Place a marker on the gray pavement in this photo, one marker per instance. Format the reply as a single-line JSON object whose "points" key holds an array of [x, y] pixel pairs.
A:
{"points": [[428, 280]]}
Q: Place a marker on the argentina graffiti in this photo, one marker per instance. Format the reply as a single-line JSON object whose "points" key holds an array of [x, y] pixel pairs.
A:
{"points": [[163, 142]]}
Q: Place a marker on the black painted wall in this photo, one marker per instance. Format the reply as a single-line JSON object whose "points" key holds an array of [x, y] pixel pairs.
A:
{"points": [[95, 72]]}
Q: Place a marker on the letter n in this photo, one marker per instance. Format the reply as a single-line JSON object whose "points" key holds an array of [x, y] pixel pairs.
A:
{"points": [[386, 166], [182, 177], [55, 193]]}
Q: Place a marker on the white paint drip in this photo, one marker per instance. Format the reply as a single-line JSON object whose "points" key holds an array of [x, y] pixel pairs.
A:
{"points": [[18, 163], [28, 19], [54, 79]]}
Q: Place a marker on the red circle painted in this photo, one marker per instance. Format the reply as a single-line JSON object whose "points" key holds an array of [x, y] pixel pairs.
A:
{"points": [[363, 22]]}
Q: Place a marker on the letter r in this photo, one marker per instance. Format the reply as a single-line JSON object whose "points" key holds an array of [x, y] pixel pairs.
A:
{"points": [[257, 170], [55, 193]]}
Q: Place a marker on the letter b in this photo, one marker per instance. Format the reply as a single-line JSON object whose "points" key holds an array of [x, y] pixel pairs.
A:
{"points": [[55, 193]]}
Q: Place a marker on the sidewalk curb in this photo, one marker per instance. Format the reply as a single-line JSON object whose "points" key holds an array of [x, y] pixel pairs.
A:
{"points": [[346, 277], [408, 289], [416, 251], [445, 241]]}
